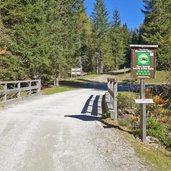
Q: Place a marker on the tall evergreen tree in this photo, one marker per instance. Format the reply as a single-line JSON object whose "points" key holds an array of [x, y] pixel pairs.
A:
{"points": [[156, 29], [84, 31], [100, 32], [26, 22], [62, 29], [118, 41], [10, 66]]}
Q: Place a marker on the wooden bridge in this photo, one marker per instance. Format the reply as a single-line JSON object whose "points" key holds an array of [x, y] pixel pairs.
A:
{"points": [[15, 90]]}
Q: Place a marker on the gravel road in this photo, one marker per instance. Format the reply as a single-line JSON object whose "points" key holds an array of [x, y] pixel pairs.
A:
{"points": [[53, 133]]}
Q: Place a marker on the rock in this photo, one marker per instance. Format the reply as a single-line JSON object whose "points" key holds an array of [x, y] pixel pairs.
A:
{"points": [[169, 134], [129, 111], [120, 112], [138, 139], [152, 140]]}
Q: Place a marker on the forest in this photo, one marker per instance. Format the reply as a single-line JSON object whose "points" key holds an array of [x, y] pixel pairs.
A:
{"points": [[44, 39]]}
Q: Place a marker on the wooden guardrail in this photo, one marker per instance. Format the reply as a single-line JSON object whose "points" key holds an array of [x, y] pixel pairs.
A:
{"points": [[111, 98], [13, 90]]}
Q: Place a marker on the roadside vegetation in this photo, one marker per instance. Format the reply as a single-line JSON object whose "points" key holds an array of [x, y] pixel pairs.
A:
{"points": [[73, 83], [161, 77], [53, 90], [45, 39]]}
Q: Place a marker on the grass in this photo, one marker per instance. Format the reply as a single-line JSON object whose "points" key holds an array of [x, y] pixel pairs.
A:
{"points": [[90, 76], [53, 90], [85, 77], [158, 159], [129, 95], [161, 77]]}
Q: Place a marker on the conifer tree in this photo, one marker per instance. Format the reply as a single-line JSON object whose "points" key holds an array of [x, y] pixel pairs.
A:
{"points": [[118, 41], [156, 29], [26, 22], [100, 32]]}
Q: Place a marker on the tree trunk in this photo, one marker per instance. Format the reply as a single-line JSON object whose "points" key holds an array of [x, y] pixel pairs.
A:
{"points": [[101, 66], [56, 80]]}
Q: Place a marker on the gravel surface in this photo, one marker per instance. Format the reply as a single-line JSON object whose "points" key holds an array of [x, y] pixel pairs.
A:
{"points": [[51, 133]]}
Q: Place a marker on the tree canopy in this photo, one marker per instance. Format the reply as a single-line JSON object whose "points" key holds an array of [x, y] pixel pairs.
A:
{"points": [[46, 38]]}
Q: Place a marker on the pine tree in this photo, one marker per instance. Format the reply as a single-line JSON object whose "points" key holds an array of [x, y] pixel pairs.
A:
{"points": [[26, 22], [62, 29], [4, 37], [156, 29], [84, 31], [118, 41], [10, 66], [100, 32]]}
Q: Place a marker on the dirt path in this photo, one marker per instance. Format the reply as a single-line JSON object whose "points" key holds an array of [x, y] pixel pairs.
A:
{"points": [[59, 133]]}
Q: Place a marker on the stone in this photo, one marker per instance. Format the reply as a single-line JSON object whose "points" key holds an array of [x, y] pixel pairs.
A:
{"points": [[169, 134], [151, 140], [129, 111]]}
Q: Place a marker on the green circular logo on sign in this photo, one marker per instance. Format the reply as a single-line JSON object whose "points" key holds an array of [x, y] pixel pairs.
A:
{"points": [[143, 58]]}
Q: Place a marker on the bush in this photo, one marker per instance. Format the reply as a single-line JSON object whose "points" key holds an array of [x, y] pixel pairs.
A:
{"points": [[155, 129]]}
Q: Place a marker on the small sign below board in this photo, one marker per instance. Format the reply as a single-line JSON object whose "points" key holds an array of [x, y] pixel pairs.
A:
{"points": [[144, 101], [143, 61]]}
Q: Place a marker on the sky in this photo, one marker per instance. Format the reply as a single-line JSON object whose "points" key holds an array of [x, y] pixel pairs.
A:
{"points": [[129, 10]]}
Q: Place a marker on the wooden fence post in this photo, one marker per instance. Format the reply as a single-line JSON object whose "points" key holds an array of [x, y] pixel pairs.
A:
{"points": [[115, 106], [30, 90], [112, 91], [18, 86], [5, 92], [39, 86]]}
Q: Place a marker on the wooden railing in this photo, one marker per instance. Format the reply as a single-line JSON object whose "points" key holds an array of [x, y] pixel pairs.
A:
{"points": [[13, 90], [111, 97]]}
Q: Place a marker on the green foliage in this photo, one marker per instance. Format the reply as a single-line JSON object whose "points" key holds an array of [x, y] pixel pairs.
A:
{"points": [[11, 68], [156, 29], [44, 35], [53, 90], [48, 38], [119, 41], [123, 101], [100, 28], [155, 129], [4, 36]]}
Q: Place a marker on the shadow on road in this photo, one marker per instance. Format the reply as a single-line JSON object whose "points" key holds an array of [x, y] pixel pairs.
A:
{"points": [[85, 84], [84, 117], [84, 110], [90, 111]]}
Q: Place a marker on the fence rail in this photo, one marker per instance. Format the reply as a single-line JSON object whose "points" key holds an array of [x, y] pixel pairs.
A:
{"points": [[111, 97], [13, 90]]}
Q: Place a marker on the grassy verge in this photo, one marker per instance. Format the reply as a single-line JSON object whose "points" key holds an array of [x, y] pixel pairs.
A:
{"points": [[81, 78], [158, 159], [53, 90], [161, 77]]}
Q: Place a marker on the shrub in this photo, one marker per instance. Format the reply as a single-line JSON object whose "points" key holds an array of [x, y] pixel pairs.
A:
{"points": [[155, 129]]}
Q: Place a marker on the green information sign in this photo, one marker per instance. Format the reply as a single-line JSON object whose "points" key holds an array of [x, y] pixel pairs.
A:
{"points": [[143, 61], [143, 58]]}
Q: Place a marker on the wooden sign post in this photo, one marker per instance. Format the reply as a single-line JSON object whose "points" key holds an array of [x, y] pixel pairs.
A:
{"points": [[143, 66]]}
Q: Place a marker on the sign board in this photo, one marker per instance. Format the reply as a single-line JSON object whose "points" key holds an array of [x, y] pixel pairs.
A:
{"points": [[144, 101], [76, 71], [143, 66], [143, 61]]}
